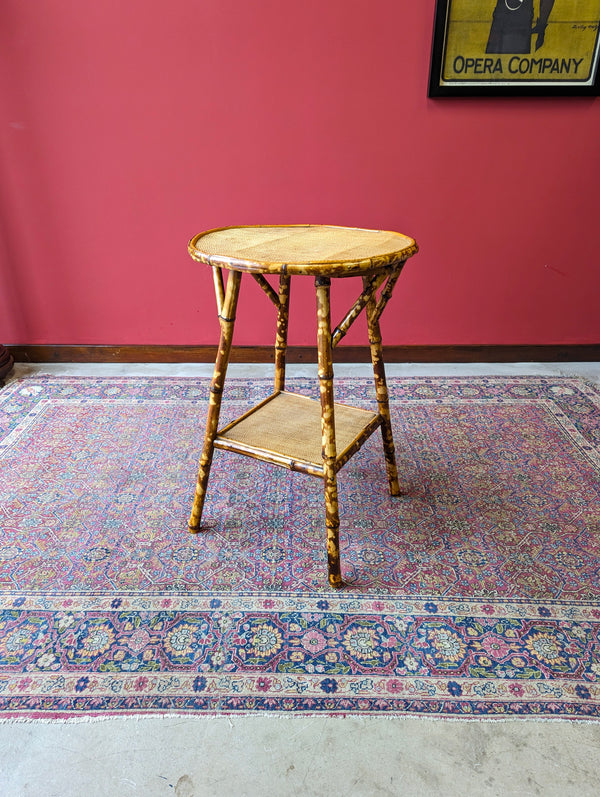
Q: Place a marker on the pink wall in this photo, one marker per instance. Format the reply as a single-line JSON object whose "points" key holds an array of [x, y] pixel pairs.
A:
{"points": [[129, 126]]}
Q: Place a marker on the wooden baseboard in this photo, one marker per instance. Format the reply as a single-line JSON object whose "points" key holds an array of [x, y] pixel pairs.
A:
{"points": [[305, 354], [6, 363]]}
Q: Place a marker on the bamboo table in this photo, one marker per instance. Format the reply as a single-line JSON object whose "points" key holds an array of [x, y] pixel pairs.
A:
{"points": [[287, 429]]}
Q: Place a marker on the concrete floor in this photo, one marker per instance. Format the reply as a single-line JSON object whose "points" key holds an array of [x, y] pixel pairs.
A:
{"points": [[257, 755]]}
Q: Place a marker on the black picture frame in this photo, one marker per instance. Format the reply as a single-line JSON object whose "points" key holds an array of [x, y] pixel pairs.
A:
{"points": [[484, 70]]}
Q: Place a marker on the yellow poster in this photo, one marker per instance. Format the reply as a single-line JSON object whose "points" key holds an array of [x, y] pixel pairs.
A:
{"points": [[516, 42]]}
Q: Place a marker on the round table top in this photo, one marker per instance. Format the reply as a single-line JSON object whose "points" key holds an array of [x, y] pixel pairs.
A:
{"points": [[302, 249]]}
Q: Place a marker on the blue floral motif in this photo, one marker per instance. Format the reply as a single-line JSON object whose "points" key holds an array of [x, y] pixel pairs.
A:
{"points": [[362, 642], [329, 685], [189, 639], [92, 640], [544, 611], [454, 689], [258, 640], [199, 684], [443, 646], [323, 605], [431, 607], [82, 684], [583, 692], [215, 603]]}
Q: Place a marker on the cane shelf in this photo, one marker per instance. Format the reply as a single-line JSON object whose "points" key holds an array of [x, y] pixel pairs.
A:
{"points": [[285, 430]]}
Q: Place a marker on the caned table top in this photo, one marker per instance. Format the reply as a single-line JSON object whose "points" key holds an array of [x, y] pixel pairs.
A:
{"points": [[301, 249]]}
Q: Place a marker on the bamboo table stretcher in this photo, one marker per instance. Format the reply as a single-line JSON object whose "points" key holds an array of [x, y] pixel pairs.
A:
{"points": [[290, 430]]}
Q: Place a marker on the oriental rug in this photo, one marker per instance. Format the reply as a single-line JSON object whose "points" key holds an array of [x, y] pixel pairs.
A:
{"points": [[475, 594]]}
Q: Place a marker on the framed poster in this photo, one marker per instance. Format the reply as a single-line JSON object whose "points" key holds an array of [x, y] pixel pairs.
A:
{"points": [[515, 47]]}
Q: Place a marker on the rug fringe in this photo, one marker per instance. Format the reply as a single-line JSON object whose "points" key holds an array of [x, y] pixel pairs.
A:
{"points": [[286, 716]]}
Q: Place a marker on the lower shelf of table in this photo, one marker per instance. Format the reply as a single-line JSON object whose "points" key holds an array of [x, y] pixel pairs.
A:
{"points": [[285, 430]]}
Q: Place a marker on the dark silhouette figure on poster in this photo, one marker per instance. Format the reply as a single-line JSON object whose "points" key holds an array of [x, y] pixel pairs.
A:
{"points": [[512, 26]]}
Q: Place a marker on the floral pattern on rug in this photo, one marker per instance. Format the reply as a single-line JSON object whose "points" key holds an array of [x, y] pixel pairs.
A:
{"points": [[476, 593]]}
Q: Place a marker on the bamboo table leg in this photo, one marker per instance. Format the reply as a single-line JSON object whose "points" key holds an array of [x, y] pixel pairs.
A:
{"points": [[226, 320], [332, 518], [382, 395], [283, 314]]}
